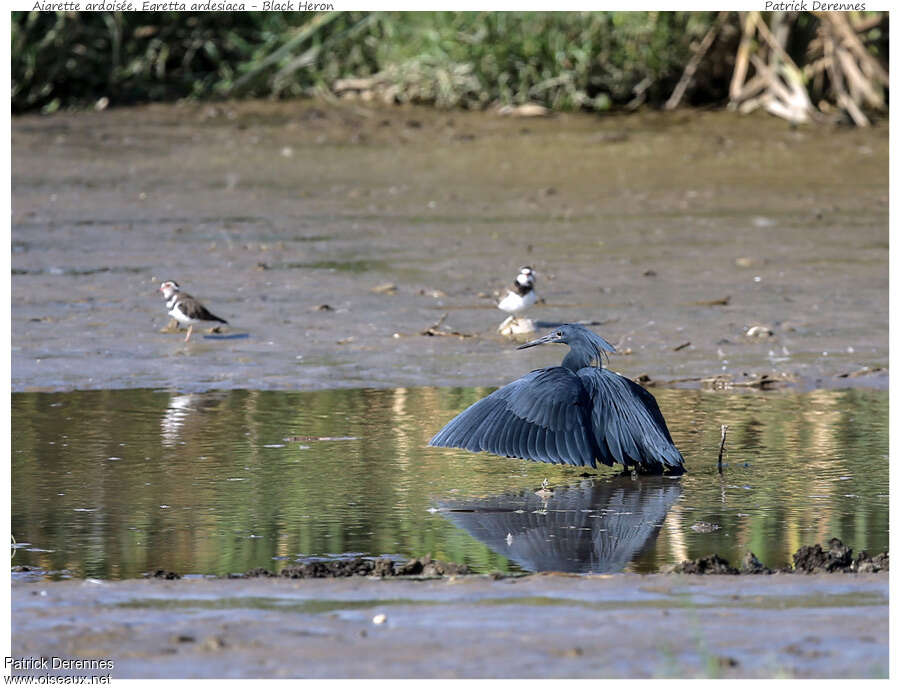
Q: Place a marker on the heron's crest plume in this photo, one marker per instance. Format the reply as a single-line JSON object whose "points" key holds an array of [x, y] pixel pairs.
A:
{"points": [[600, 346]]}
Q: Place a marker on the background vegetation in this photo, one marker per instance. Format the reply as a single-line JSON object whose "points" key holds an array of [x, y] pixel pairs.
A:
{"points": [[562, 60]]}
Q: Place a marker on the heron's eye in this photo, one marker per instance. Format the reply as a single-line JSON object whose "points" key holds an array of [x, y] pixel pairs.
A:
{"points": [[559, 334]]}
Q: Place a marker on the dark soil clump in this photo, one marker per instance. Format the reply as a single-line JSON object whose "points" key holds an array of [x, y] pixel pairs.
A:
{"points": [[379, 567], [838, 558], [864, 563], [164, 575], [708, 565]]}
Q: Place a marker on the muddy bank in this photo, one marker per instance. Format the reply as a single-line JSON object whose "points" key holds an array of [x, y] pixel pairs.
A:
{"points": [[837, 558], [472, 626], [704, 244]]}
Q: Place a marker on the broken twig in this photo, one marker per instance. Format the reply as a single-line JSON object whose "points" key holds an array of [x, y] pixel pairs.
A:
{"points": [[434, 329], [722, 446], [688, 76]]}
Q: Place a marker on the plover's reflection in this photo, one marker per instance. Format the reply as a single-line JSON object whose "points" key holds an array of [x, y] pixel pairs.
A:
{"points": [[595, 526], [180, 409]]}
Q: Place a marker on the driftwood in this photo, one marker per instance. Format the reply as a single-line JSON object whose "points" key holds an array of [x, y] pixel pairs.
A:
{"points": [[778, 84], [840, 73], [435, 330], [691, 68]]}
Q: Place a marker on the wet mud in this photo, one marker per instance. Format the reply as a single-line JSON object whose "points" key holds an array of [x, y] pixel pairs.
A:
{"points": [[712, 249], [537, 626]]}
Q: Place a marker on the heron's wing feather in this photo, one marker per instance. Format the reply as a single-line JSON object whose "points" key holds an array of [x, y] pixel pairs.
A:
{"points": [[627, 425], [542, 416]]}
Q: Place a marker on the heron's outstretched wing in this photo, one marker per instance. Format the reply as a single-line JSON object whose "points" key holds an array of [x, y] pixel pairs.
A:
{"points": [[627, 425], [545, 416]]}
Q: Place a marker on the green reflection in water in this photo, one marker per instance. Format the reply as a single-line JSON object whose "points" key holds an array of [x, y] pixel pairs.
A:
{"points": [[115, 483]]}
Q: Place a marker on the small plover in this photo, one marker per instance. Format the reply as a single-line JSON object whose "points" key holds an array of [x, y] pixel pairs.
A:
{"points": [[185, 309], [521, 295]]}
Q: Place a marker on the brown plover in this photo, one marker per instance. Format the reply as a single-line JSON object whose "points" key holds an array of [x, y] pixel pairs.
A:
{"points": [[184, 308]]}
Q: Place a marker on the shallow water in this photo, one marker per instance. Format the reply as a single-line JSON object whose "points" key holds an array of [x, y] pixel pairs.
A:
{"points": [[112, 484]]}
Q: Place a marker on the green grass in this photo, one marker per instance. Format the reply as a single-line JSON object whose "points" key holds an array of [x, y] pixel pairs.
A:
{"points": [[562, 60]]}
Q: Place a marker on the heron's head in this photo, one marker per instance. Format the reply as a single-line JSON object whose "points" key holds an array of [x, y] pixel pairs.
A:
{"points": [[577, 337], [169, 288]]}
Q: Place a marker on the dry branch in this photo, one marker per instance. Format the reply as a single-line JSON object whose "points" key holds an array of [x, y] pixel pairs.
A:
{"points": [[691, 68], [838, 62]]}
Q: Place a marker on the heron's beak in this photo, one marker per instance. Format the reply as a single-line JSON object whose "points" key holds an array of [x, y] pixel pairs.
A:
{"points": [[551, 338]]}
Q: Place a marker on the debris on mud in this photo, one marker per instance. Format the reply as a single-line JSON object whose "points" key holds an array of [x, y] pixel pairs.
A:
{"points": [[865, 371], [349, 567], [721, 302], [838, 558], [435, 329], [524, 110], [762, 381], [759, 332]]}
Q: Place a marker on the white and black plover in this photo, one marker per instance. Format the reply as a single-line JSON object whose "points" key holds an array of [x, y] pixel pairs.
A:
{"points": [[185, 309], [521, 295]]}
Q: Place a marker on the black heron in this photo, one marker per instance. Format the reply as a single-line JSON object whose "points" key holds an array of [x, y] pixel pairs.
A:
{"points": [[575, 414]]}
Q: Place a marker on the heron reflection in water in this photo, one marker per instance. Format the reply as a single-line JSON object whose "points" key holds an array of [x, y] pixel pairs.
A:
{"points": [[589, 527], [576, 414]]}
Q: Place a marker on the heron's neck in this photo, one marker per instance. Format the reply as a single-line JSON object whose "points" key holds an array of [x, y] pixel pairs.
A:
{"points": [[577, 359]]}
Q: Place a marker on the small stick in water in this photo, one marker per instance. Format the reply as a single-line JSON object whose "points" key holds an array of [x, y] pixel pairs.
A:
{"points": [[722, 445]]}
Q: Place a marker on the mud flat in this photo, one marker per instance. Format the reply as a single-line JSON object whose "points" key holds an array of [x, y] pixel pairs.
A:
{"points": [[465, 626], [679, 234]]}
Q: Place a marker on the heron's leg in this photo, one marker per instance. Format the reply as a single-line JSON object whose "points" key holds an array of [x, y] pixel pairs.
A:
{"points": [[190, 330]]}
